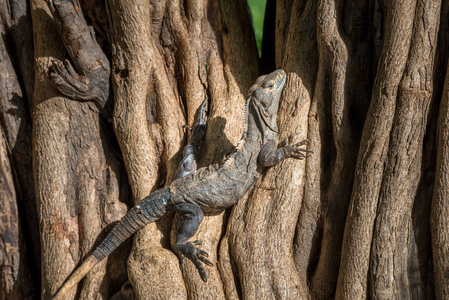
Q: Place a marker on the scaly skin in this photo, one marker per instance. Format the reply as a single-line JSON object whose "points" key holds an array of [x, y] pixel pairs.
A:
{"points": [[209, 189]]}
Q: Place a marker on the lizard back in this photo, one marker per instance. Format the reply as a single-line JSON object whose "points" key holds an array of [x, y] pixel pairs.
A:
{"points": [[218, 186]]}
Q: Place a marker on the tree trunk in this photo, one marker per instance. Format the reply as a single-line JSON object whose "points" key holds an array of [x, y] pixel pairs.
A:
{"points": [[78, 178], [94, 105]]}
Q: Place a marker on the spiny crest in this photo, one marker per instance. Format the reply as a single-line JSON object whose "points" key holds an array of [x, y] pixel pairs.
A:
{"points": [[228, 159], [245, 111], [233, 154]]}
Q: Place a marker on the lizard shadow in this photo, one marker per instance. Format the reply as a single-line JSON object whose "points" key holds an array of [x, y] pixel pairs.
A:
{"points": [[215, 146]]}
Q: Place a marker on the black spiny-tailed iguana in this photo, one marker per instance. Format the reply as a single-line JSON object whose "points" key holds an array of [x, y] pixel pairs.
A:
{"points": [[209, 189]]}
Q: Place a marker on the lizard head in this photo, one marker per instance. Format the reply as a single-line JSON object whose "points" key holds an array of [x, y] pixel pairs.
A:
{"points": [[264, 97]]}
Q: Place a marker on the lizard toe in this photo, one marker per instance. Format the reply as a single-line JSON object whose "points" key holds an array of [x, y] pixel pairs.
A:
{"points": [[205, 260], [196, 255], [196, 261]]}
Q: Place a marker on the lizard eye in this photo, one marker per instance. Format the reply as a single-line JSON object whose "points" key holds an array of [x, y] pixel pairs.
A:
{"points": [[268, 84]]}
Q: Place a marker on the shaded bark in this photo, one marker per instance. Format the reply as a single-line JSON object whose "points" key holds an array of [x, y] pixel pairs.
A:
{"points": [[16, 88], [440, 205], [351, 221], [16, 19], [15, 277]]}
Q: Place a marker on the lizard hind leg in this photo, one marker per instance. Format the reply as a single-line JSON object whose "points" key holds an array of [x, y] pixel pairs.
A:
{"points": [[192, 216]]}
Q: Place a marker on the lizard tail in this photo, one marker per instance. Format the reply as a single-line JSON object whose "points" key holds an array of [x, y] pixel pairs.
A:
{"points": [[85, 267], [148, 210]]}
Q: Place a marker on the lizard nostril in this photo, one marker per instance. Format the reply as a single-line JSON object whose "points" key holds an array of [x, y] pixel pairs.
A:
{"points": [[265, 102]]}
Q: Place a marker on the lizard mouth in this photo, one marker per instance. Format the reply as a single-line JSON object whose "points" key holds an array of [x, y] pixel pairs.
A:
{"points": [[281, 83]]}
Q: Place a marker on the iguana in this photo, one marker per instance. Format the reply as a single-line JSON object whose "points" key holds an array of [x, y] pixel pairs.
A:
{"points": [[210, 189]]}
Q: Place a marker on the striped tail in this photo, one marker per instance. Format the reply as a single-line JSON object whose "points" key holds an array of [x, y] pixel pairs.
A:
{"points": [[148, 210]]}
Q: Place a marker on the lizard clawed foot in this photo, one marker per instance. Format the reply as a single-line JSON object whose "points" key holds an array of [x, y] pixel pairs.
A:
{"points": [[199, 130], [185, 126], [202, 118], [295, 150], [195, 254]]}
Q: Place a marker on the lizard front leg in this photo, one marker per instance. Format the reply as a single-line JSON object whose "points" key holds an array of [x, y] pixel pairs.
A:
{"points": [[271, 155], [192, 216], [188, 164]]}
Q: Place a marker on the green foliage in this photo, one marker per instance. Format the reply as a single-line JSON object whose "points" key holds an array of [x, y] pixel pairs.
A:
{"points": [[257, 8]]}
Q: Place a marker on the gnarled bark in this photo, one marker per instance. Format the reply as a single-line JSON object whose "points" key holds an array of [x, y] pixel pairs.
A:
{"points": [[16, 88], [13, 259], [353, 275], [353, 220], [393, 227]]}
